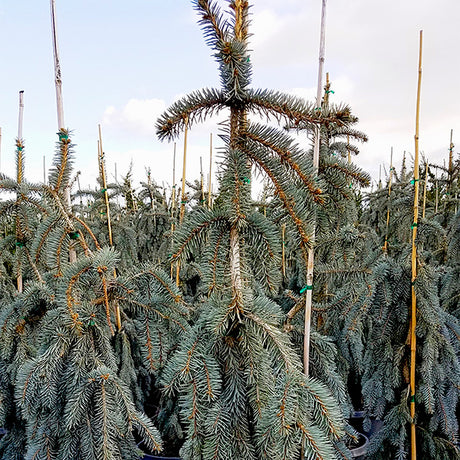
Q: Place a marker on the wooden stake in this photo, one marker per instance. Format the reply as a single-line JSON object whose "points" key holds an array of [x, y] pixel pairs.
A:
{"points": [[210, 169], [451, 158], [385, 246], [107, 208], [104, 185], [60, 106], [57, 69], [202, 200], [183, 196], [311, 251], [184, 165], [424, 189], [283, 249], [413, 322], [173, 200], [19, 178]]}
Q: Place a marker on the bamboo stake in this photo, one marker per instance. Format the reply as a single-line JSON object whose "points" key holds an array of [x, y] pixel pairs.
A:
{"points": [[57, 69], [385, 246], [19, 178], [202, 200], [311, 251], [451, 164], [283, 249], [210, 168], [348, 149], [173, 200], [109, 221], [424, 189], [104, 185], [60, 105], [437, 193], [413, 322], [184, 165], [183, 196]]}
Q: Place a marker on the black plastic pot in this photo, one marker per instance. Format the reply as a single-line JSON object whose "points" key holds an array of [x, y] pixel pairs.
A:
{"points": [[357, 422], [359, 452]]}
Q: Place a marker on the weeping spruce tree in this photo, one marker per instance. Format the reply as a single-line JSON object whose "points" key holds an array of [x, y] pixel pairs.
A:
{"points": [[240, 381], [73, 380]]}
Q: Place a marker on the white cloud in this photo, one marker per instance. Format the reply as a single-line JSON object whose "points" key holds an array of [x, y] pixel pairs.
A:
{"points": [[137, 116]]}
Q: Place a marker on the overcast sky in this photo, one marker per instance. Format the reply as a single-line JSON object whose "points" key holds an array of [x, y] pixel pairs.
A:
{"points": [[124, 62]]}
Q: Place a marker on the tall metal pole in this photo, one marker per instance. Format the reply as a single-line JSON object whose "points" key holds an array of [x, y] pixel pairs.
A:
{"points": [[311, 251]]}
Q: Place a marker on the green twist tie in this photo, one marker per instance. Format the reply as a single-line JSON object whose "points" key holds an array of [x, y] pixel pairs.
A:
{"points": [[74, 235], [330, 91], [413, 181], [351, 186], [63, 136], [183, 201], [248, 60], [412, 399], [317, 108], [103, 190], [245, 179], [308, 287], [202, 201], [92, 322], [20, 244], [413, 225], [20, 149]]}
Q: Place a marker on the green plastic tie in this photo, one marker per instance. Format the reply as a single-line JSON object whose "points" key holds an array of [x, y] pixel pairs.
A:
{"points": [[248, 60], [20, 244], [103, 190], [413, 225], [308, 287], [317, 108], [92, 322], [74, 235], [20, 148], [412, 399], [351, 186], [330, 91], [183, 201], [247, 180], [63, 136], [413, 181]]}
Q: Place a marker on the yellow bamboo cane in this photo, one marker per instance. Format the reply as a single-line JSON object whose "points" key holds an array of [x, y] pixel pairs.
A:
{"points": [[385, 245], [424, 189], [413, 322], [109, 222], [183, 196]]}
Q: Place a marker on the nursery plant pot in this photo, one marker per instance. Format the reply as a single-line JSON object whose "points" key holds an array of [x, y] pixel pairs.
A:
{"points": [[359, 452], [357, 422]]}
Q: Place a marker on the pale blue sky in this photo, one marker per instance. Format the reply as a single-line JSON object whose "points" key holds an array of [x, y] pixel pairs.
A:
{"points": [[123, 62]]}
